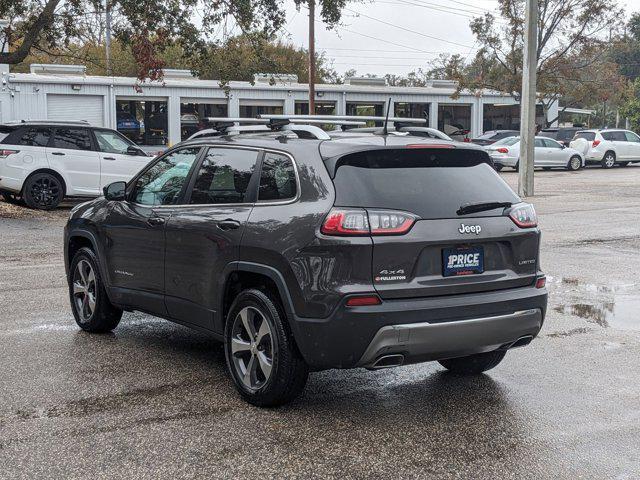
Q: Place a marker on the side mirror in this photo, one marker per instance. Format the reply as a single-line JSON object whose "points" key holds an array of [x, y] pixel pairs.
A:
{"points": [[563, 146], [135, 151], [115, 191]]}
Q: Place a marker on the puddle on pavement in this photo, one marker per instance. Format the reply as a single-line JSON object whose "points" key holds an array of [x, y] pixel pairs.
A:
{"points": [[610, 306]]}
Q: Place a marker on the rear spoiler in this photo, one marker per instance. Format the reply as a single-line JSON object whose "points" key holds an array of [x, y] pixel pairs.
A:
{"points": [[444, 155]]}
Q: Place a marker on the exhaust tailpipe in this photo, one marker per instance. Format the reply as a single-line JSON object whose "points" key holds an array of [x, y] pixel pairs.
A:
{"points": [[388, 361]]}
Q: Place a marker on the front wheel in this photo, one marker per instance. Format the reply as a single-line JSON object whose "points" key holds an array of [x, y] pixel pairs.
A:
{"points": [[91, 307], [474, 364], [575, 163], [261, 355], [609, 160]]}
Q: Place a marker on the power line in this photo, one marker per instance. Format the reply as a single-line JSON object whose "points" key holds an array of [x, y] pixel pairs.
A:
{"points": [[409, 30], [387, 51]]}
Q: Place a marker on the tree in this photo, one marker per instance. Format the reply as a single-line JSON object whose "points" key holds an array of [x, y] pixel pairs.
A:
{"points": [[572, 35], [626, 50], [147, 27], [631, 108]]}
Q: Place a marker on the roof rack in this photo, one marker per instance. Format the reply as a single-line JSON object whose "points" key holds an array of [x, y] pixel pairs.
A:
{"points": [[56, 122], [397, 121], [304, 128]]}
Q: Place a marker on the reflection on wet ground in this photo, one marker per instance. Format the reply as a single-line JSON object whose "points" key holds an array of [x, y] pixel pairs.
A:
{"points": [[610, 306]]}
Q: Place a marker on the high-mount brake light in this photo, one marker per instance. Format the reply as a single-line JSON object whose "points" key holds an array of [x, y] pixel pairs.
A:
{"points": [[431, 145], [358, 222], [5, 152], [596, 143], [524, 216]]}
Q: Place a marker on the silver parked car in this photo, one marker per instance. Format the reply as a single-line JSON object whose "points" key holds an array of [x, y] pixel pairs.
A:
{"points": [[548, 154]]}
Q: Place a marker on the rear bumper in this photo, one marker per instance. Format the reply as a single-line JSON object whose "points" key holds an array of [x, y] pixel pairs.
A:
{"points": [[421, 329], [420, 342]]}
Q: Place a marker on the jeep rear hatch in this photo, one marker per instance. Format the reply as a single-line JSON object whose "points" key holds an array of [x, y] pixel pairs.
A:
{"points": [[439, 220]]}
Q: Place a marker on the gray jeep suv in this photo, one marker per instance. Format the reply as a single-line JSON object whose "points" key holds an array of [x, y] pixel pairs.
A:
{"points": [[306, 252]]}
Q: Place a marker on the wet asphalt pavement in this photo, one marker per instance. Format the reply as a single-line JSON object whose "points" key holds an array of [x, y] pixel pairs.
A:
{"points": [[152, 399]]}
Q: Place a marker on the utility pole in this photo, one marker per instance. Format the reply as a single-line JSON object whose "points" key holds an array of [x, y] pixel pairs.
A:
{"points": [[312, 57], [528, 101], [107, 36]]}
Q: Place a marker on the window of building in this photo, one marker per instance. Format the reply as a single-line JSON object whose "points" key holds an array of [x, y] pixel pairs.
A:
{"points": [[144, 122], [322, 108], [251, 111], [193, 116], [411, 110]]}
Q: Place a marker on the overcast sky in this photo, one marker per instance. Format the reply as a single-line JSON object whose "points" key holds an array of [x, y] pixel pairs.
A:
{"points": [[396, 36]]}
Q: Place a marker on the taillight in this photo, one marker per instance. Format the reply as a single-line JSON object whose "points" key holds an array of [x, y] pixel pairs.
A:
{"points": [[503, 150], [363, 301], [541, 282], [524, 216], [357, 222], [596, 143], [383, 222], [346, 222], [4, 153]]}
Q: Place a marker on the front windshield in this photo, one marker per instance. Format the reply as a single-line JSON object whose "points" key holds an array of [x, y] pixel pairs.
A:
{"points": [[508, 141]]}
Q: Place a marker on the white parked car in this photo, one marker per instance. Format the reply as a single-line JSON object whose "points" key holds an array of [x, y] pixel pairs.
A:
{"points": [[43, 161], [608, 147], [548, 154]]}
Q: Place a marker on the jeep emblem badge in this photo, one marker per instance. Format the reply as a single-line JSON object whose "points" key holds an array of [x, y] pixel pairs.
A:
{"points": [[470, 229]]}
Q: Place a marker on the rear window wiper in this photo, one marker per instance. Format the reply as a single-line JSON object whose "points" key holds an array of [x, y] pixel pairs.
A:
{"points": [[468, 208]]}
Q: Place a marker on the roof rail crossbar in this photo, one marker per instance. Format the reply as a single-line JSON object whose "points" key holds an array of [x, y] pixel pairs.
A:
{"points": [[346, 118], [56, 122], [231, 125]]}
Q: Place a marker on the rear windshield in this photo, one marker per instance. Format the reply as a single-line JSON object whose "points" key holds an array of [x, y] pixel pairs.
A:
{"points": [[508, 141], [590, 136], [431, 184], [549, 133]]}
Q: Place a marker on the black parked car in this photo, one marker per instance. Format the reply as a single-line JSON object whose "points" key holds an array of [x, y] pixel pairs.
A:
{"points": [[492, 136], [303, 252], [563, 135]]}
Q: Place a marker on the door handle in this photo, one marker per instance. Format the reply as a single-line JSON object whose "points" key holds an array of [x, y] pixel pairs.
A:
{"points": [[57, 153], [228, 224], [155, 221], [108, 158]]}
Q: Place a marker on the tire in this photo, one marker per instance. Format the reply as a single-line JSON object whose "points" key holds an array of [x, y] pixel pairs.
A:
{"points": [[517, 166], [474, 364], [546, 169], [86, 288], [498, 168], [43, 191], [575, 163], [279, 373], [609, 160]]}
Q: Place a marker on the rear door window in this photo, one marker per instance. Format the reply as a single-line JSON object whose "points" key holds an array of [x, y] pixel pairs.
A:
{"points": [[34, 136], [431, 184], [72, 139], [224, 176]]}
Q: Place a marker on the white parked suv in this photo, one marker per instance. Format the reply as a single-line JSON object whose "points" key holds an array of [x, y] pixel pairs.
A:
{"points": [[608, 147], [43, 161]]}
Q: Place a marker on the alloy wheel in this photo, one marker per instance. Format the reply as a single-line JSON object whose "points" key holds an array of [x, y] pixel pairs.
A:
{"points": [[609, 161], [84, 290], [45, 191], [252, 349], [575, 163]]}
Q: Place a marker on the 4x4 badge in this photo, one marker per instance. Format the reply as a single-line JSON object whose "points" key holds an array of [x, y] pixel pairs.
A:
{"points": [[470, 229]]}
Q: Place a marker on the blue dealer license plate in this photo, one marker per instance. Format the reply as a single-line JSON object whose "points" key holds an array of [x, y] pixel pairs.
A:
{"points": [[462, 261]]}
